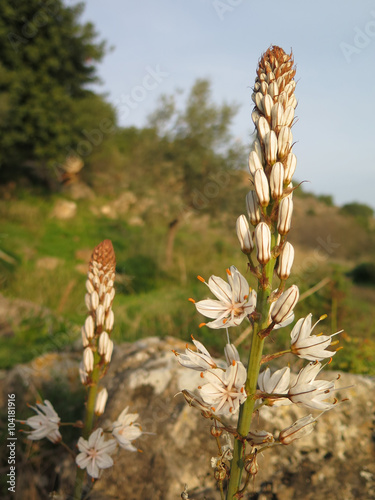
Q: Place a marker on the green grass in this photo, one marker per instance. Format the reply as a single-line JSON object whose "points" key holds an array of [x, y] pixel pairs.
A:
{"points": [[150, 299]]}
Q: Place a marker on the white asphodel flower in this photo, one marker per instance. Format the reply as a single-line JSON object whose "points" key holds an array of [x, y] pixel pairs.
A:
{"points": [[199, 360], [95, 453], [225, 390], [235, 300], [125, 429], [307, 346], [277, 383], [45, 423], [309, 392]]}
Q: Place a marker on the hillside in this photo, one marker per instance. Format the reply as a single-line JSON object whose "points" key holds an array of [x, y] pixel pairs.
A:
{"points": [[47, 241]]}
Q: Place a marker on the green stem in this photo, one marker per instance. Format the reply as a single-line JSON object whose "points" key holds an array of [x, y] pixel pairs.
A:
{"points": [[255, 357], [88, 424]]}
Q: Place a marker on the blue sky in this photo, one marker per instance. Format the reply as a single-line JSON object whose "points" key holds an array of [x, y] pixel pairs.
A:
{"points": [[334, 48]]}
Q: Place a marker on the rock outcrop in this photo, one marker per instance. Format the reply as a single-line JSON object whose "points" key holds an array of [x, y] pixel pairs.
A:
{"points": [[336, 461]]}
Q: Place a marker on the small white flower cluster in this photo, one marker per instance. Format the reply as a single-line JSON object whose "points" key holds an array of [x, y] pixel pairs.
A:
{"points": [[95, 453], [224, 389], [45, 423]]}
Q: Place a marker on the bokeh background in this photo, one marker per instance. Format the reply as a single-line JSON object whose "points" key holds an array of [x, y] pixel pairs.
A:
{"points": [[132, 121]]}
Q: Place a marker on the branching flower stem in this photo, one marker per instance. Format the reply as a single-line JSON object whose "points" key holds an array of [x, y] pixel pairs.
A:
{"points": [[255, 358], [88, 423]]}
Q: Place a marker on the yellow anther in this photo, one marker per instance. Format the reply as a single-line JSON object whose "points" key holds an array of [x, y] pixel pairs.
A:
{"points": [[323, 316]]}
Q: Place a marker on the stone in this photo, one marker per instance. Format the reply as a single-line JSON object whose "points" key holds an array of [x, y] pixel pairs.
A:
{"points": [[64, 209], [336, 461]]}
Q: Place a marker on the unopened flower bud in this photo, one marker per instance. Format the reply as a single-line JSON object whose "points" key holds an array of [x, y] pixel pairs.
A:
{"points": [[100, 314], [103, 343], [101, 401], [263, 242], [273, 89], [285, 304], [89, 286], [253, 207], [259, 101], [263, 128], [102, 290], [89, 327], [244, 235], [107, 301], [292, 102], [108, 353], [290, 167], [83, 375], [94, 300], [270, 143], [301, 428], [277, 116], [88, 301], [109, 320], [85, 341], [284, 220], [277, 180], [88, 360], [286, 259], [259, 437], [262, 188], [254, 162], [267, 105], [258, 149], [284, 141], [288, 116]]}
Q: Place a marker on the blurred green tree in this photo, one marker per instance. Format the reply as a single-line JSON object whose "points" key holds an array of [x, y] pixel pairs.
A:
{"points": [[47, 112], [197, 142]]}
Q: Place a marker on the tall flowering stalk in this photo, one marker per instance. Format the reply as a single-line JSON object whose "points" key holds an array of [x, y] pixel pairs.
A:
{"points": [[94, 450], [262, 237]]}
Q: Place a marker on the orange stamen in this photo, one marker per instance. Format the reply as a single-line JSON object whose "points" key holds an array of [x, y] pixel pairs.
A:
{"points": [[228, 272], [201, 375], [175, 352], [201, 279], [224, 321], [212, 407], [339, 348], [330, 361], [233, 363], [245, 297], [202, 324], [191, 300]]}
